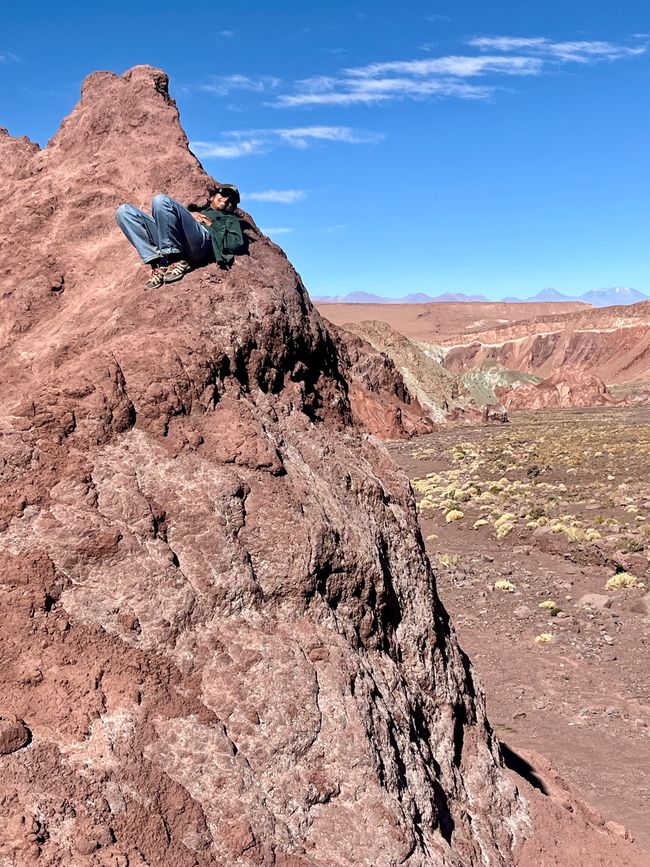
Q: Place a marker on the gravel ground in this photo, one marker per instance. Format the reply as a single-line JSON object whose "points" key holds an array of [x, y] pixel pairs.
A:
{"points": [[528, 522]]}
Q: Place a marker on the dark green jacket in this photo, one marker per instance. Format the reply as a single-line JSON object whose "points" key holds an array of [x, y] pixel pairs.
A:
{"points": [[226, 235]]}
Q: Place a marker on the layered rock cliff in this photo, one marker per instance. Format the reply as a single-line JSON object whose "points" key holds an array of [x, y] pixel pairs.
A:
{"points": [[612, 343], [443, 395], [221, 640]]}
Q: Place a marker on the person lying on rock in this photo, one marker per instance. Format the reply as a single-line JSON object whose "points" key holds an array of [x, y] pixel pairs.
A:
{"points": [[174, 238]]}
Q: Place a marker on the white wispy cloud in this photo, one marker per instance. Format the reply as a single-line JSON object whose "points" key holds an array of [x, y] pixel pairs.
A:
{"points": [[281, 197], [454, 66], [453, 75], [584, 51], [5, 56], [239, 143], [300, 137], [227, 33], [369, 91], [227, 150], [222, 85], [278, 230]]}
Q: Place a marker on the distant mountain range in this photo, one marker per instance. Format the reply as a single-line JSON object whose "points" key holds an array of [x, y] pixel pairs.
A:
{"points": [[595, 297]]}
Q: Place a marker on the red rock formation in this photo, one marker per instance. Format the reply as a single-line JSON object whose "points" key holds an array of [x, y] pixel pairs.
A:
{"points": [[569, 387], [221, 640], [442, 395], [611, 342], [380, 401]]}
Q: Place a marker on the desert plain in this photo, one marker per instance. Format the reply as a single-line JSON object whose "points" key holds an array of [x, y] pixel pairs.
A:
{"points": [[539, 528], [539, 531]]}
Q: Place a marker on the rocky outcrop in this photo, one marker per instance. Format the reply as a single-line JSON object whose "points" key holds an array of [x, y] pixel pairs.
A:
{"points": [[567, 388], [379, 399], [435, 386], [218, 623], [441, 393], [482, 382]]}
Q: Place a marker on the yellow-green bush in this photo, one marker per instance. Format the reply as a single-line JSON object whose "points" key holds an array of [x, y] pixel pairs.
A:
{"points": [[454, 515], [622, 581]]}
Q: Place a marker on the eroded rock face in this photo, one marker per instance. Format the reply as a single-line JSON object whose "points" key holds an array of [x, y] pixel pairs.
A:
{"points": [[442, 395], [217, 618], [379, 399], [569, 387], [612, 343]]}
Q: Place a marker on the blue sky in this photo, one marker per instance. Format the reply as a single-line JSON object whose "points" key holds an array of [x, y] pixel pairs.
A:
{"points": [[437, 146]]}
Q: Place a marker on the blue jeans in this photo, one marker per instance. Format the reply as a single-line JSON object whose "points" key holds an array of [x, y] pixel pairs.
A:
{"points": [[171, 230]]}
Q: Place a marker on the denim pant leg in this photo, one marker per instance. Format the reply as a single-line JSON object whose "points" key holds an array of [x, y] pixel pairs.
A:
{"points": [[140, 230], [178, 231]]}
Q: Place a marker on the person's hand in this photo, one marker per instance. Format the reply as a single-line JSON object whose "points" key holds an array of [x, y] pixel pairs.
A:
{"points": [[201, 218]]}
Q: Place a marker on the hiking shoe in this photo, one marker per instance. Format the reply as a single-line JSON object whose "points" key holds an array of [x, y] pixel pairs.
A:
{"points": [[176, 271], [157, 277]]}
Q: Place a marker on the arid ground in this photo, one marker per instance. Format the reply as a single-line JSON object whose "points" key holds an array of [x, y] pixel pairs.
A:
{"points": [[523, 520], [431, 322]]}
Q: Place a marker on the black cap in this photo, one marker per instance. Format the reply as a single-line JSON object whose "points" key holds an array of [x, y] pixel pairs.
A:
{"points": [[230, 191]]}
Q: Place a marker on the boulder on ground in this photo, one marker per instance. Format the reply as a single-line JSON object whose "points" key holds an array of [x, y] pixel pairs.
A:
{"points": [[597, 601], [642, 605], [14, 734]]}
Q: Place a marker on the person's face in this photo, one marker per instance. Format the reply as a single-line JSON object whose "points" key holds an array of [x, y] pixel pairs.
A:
{"points": [[219, 202]]}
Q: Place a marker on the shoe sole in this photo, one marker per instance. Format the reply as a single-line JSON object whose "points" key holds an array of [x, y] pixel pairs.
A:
{"points": [[177, 278]]}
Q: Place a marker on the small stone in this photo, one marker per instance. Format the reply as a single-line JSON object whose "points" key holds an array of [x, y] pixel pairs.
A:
{"points": [[595, 600], [642, 605], [618, 830], [85, 845], [521, 612], [14, 734]]}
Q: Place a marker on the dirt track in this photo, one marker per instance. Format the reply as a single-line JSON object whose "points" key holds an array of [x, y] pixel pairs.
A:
{"points": [[572, 489]]}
